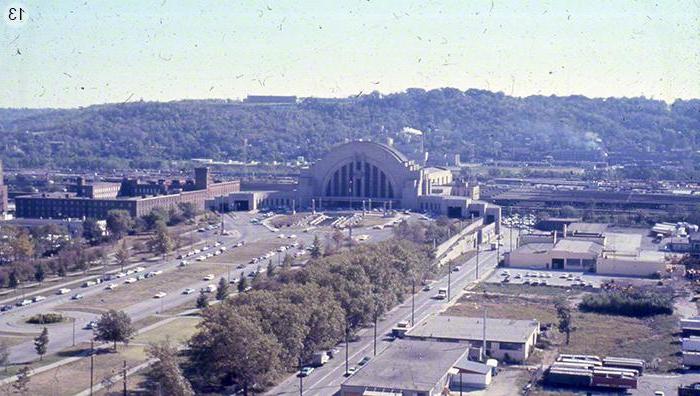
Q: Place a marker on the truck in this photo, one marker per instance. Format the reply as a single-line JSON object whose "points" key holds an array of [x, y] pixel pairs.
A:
{"points": [[400, 329], [442, 293], [318, 359]]}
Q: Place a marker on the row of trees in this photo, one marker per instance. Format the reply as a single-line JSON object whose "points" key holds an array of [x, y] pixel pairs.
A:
{"points": [[635, 302], [247, 340]]}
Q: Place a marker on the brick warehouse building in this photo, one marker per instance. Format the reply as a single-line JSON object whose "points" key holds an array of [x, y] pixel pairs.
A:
{"points": [[95, 200]]}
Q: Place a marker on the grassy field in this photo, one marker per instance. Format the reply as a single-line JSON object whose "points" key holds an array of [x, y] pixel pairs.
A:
{"points": [[653, 339], [179, 331], [75, 377]]}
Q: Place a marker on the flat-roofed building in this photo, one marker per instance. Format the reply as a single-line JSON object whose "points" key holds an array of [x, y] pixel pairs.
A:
{"points": [[407, 368], [95, 200], [589, 251], [506, 339]]}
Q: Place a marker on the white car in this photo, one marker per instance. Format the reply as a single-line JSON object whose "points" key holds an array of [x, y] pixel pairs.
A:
{"points": [[208, 277], [160, 295], [189, 290], [292, 236], [77, 297], [210, 289], [184, 263], [119, 275], [39, 298], [140, 269], [129, 281], [112, 286], [64, 290]]}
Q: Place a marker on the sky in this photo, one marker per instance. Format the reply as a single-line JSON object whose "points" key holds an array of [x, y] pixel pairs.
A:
{"points": [[78, 53]]}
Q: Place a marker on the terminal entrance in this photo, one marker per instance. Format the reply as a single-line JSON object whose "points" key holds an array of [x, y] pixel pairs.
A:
{"points": [[241, 205], [454, 212]]}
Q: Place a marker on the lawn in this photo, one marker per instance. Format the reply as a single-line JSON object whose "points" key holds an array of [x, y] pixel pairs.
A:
{"points": [[75, 377], [179, 331]]}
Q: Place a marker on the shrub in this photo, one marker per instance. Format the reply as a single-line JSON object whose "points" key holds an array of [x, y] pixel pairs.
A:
{"points": [[46, 318], [634, 303]]}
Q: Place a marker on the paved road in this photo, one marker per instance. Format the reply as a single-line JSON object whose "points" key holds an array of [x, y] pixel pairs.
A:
{"points": [[61, 335], [326, 380]]}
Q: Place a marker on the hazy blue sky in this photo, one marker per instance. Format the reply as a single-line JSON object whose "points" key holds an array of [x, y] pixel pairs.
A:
{"points": [[76, 53]]}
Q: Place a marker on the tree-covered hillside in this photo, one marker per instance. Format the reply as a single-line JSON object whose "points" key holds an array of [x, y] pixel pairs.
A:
{"points": [[477, 124]]}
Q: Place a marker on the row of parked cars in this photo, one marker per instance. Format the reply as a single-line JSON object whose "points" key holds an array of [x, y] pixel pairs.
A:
{"points": [[270, 254]]}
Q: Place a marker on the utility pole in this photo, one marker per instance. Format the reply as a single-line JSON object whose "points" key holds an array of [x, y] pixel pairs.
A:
{"points": [[413, 303], [301, 379], [375, 330], [477, 260], [347, 346], [73, 331], [92, 364], [483, 340], [124, 373]]}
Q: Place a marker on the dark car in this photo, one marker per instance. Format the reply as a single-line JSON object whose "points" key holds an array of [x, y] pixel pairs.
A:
{"points": [[364, 361], [6, 307]]}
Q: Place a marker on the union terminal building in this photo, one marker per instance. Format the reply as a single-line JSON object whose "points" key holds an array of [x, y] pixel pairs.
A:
{"points": [[367, 175]]}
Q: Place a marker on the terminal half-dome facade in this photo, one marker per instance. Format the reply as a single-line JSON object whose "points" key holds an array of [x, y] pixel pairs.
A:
{"points": [[361, 171]]}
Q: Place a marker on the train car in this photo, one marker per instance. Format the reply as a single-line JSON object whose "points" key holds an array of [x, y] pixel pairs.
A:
{"points": [[625, 363]]}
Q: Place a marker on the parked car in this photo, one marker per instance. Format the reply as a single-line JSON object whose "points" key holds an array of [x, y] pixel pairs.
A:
{"points": [[63, 290], [160, 295], [39, 298], [130, 280], [112, 286], [6, 307], [91, 325], [208, 277], [364, 361], [351, 371], [77, 297], [24, 302]]}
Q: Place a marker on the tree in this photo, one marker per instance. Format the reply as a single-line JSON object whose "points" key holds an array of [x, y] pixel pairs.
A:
{"points": [[165, 376], [92, 231], [41, 343], [4, 354], [270, 269], [122, 255], [316, 251], [161, 242], [114, 326], [189, 210], [222, 289], [39, 273], [202, 300], [564, 315], [22, 247], [242, 284], [21, 385], [119, 223], [287, 261], [234, 347], [13, 281]]}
